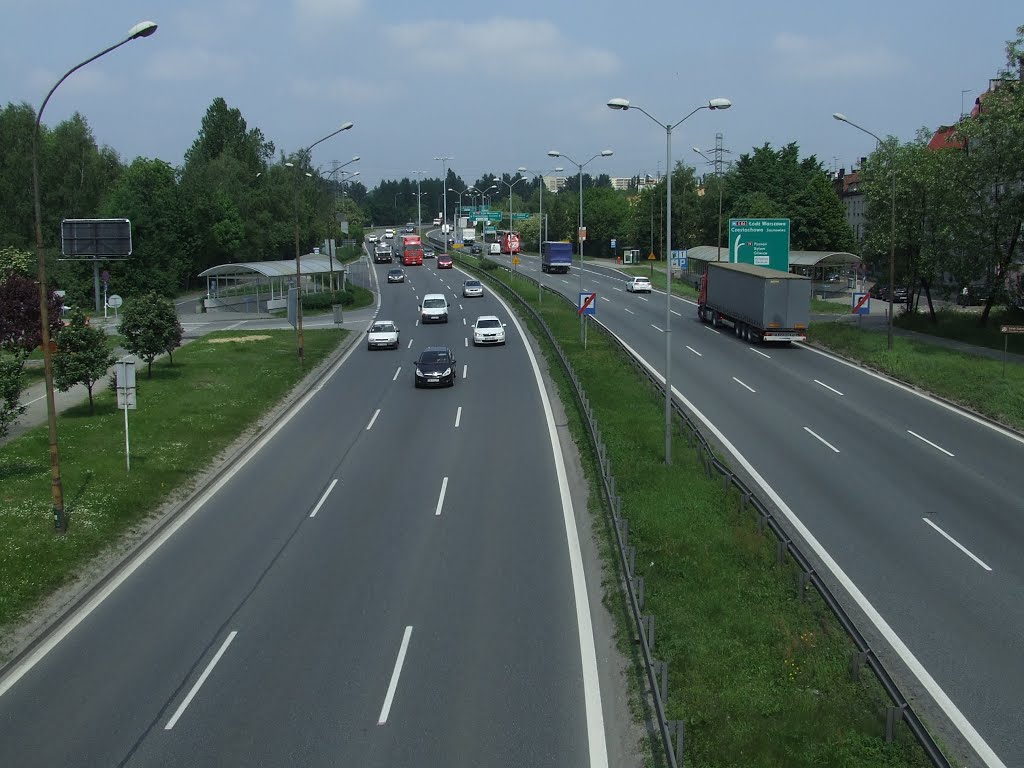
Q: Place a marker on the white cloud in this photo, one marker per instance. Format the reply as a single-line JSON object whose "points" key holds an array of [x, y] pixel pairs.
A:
{"points": [[320, 11], [500, 46], [343, 90], [176, 64], [810, 58]]}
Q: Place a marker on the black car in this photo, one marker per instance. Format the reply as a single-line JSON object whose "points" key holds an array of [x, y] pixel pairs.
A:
{"points": [[435, 367], [396, 275], [475, 249]]}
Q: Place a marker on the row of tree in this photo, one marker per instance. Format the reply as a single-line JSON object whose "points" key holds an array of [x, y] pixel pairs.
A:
{"points": [[233, 199]]}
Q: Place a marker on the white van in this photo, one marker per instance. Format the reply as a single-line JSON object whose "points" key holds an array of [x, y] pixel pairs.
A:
{"points": [[494, 250], [434, 308]]}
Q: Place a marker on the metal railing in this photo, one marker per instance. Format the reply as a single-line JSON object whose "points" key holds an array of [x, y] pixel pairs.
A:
{"points": [[900, 709]]}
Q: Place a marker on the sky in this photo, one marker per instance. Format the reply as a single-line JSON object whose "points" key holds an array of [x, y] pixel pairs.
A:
{"points": [[494, 86]]}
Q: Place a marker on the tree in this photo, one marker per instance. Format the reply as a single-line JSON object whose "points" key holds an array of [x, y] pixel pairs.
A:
{"points": [[83, 356], [20, 330], [150, 326]]}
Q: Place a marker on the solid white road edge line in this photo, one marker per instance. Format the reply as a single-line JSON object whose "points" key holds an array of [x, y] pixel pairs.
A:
{"points": [[458, 416], [199, 683], [958, 719], [698, 354], [323, 498], [957, 544], [814, 434], [923, 395], [395, 674], [584, 624], [440, 499], [826, 386], [395, 378], [744, 385], [933, 445], [373, 419], [76, 618]]}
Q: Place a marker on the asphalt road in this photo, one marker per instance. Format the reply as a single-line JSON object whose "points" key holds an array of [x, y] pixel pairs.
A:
{"points": [[389, 580], [915, 508]]}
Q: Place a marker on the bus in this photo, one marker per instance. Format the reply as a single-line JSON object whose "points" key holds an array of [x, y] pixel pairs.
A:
{"points": [[508, 240]]}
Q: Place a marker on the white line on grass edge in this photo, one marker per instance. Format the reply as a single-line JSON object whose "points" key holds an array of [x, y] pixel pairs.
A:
{"points": [[20, 669], [985, 752], [584, 624]]}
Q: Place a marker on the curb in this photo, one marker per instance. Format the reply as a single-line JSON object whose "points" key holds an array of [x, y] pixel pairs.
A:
{"points": [[231, 455]]}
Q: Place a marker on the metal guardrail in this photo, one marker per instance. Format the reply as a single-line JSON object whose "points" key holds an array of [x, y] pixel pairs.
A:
{"points": [[657, 671]]}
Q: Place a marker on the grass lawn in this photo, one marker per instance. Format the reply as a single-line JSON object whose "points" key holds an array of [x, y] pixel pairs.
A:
{"points": [[759, 677], [188, 413], [963, 326], [976, 382]]}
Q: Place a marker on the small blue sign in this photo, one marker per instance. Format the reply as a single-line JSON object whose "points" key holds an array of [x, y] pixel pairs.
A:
{"points": [[613, 242], [588, 304], [861, 304], [679, 259]]}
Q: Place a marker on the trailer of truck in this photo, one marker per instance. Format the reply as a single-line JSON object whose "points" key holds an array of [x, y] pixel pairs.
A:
{"points": [[555, 256], [761, 304]]}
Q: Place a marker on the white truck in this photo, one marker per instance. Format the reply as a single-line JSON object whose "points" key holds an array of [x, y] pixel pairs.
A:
{"points": [[469, 235]]}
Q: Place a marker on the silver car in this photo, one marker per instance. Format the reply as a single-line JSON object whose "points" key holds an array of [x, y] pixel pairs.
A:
{"points": [[472, 288]]}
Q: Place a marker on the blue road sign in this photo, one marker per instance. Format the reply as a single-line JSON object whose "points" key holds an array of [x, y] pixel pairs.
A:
{"points": [[861, 303], [588, 304]]}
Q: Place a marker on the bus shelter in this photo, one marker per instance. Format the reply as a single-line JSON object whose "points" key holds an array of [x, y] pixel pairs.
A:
{"points": [[262, 286]]}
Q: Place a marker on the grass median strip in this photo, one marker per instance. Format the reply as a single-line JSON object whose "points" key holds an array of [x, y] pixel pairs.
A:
{"points": [[975, 382], [759, 677], [188, 412]]}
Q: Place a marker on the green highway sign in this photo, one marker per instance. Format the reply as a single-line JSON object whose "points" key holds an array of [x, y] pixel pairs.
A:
{"points": [[764, 242], [521, 216], [487, 216]]}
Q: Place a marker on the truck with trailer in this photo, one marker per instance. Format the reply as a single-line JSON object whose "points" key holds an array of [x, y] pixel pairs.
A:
{"points": [[761, 304], [555, 256], [411, 250]]}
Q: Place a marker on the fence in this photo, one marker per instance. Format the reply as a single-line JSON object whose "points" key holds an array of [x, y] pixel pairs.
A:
{"points": [[657, 671]]}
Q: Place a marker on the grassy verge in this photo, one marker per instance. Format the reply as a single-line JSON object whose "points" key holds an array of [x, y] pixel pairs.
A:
{"points": [[963, 326], [975, 382], [759, 677], [227, 387]]}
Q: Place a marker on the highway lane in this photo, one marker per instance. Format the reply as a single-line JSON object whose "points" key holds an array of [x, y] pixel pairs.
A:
{"points": [[879, 503], [300, 619]]}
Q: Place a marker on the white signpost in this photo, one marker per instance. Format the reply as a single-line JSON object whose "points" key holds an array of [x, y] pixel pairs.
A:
{"points": [[125, 376], [114, 301]]}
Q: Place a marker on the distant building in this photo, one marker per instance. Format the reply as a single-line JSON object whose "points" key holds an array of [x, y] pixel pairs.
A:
{"points": [[848, 188], [553, 183]]}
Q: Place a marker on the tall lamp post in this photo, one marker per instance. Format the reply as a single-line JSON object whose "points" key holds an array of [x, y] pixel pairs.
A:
{"points": [[579, 231], [718, 256], [541, 228], [419, 199], [304, 153], [892, 219], [521, 178], [444, 185], [142, 29], [624, 104]]}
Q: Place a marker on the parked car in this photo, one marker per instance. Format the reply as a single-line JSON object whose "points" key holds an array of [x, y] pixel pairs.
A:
{"points": [[435, 367], [471, 288], [396, 275], [383, 334], [638, 285], [444, 261], [488, 329]]}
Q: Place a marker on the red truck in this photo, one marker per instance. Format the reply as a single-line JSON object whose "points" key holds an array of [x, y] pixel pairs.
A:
{"points": [[411, 250]]}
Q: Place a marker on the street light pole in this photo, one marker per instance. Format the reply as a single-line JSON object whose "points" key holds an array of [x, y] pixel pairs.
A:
{"points": [[623, 104], [718, 256], [304, 153], [579, 231], [419, 208], [142, 29], [444, 185], [892, 217]]}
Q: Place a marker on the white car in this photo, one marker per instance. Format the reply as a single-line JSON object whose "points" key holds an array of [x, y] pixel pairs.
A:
{"points": [[389, 233], [488, 329], [434, 308], [638, 285], [383, 334], [371, 238]]}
